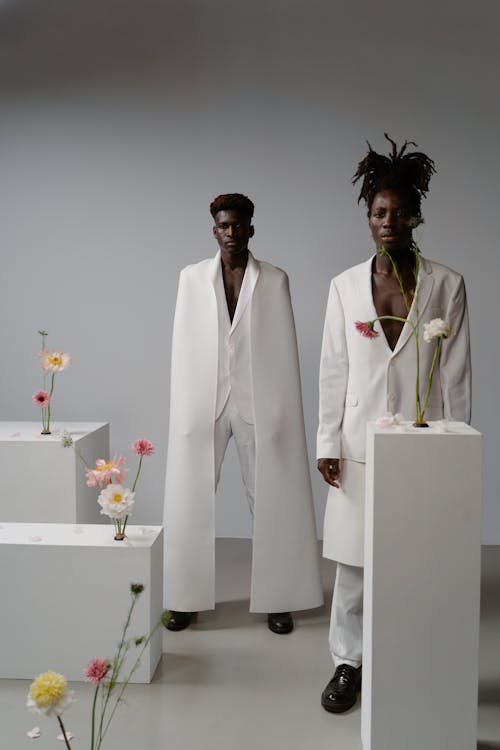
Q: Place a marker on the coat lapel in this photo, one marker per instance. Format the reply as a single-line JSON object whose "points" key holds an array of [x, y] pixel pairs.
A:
{"points": [[423, 294], [247, 288]]}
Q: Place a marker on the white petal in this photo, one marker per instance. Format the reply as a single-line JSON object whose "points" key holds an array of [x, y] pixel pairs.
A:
{"points": [[34, 733]]}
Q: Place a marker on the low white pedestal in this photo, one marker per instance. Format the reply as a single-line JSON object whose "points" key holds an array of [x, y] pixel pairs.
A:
{"points": [[65, 592], [421, 595], [41, 480]]}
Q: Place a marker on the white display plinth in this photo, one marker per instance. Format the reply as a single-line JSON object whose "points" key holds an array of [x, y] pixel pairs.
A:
{"points": [[41, 480], [422, 583], [65, 594]]}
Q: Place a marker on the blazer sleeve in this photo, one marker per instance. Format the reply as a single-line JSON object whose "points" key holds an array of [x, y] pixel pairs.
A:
{"points": [[455, 365], [333, 375]]}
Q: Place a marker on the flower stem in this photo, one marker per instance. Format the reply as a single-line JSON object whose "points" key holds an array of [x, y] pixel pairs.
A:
{"points": [[116, 666], [137, 474], [50, 397], [134, 668], [431, 374], [66, 741], [93, 717]]}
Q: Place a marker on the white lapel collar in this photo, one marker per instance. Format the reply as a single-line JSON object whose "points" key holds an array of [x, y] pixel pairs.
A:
{"points": [[249, 280], [425, 283]]}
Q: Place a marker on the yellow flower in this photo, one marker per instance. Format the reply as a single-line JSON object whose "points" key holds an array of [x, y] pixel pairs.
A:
{"points": [[49, 693]]}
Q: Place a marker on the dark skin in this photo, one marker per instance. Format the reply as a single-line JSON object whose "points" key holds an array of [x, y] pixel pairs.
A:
{"points": [[389, 219], [232, 230]]}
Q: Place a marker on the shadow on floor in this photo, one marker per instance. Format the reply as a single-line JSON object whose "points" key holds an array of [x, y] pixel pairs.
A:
{"points": [[488, 745]]}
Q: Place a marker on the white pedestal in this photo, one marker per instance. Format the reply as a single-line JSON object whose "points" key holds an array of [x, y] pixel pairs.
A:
{"points": [[41, 480], [66, 597], [422, 582]]}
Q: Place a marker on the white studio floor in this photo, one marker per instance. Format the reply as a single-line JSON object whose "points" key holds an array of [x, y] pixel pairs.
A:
{"points": [[228, 682]]}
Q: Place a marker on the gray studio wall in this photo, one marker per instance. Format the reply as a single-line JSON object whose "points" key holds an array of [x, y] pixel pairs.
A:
{"points": [[119, 121]]}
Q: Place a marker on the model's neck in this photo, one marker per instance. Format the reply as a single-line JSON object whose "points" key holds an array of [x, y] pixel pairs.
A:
{"points": [[232, 261]]}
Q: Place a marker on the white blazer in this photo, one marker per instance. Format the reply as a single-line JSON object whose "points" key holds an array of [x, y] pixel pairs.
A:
{"points": [[361, 378]]}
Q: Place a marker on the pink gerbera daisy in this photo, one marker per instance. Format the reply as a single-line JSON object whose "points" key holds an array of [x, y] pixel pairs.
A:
{"points": [[367, 329], [41, 398], [143, 448]]}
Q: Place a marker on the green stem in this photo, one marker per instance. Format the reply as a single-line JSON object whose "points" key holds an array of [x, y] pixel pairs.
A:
{"points": [[93, 717], [133, 669], [66, 741], [50, 398], [117, 662], [431, 375], [395, 271], [137, 474]]}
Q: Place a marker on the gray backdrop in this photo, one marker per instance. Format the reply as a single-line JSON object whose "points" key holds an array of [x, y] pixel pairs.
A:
{"points": [[120, 121]]}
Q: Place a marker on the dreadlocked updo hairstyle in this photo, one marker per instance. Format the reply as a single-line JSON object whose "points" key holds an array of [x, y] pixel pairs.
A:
{"points": [[232, 202], [408, 172]]}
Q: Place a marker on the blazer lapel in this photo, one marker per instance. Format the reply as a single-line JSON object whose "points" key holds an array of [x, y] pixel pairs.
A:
{"points": [[425, 284]]}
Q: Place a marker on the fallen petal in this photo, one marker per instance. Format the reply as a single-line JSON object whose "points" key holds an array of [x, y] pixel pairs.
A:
{"points": [[34, 733], [69, 736]]}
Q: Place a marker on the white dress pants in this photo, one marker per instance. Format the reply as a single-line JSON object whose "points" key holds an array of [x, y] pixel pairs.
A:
{"points": [[346, 623], [230, 423]]}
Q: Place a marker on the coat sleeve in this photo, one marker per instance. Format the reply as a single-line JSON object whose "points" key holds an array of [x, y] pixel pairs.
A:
{"points": [[333, 375], [455, 366]]}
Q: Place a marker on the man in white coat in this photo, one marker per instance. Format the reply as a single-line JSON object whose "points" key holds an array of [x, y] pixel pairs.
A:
{"points": [[361, 378], [235, 372]]}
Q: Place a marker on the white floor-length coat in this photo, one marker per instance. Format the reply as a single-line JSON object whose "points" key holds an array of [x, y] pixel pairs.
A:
{"points": [[285, 570]]}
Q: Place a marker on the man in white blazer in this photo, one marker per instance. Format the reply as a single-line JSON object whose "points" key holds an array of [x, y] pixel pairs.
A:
{"points": [[361, 378], [235, 372]]}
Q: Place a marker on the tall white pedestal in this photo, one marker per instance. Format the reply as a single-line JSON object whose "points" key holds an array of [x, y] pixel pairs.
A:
{"points": [[422, 581], [41, 480], [65, 592]]}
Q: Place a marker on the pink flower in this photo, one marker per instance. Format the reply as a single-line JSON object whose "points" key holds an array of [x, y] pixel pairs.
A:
{"points": [[367, 329], [40, 398], [143, 448], [96, 670], [106, 472]]}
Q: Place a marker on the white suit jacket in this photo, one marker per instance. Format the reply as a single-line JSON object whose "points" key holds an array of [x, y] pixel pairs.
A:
{"points": [[361, 378]]}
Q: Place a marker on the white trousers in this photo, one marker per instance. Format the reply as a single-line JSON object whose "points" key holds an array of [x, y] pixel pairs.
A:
{"points": [[230, 423], [346, 622]]}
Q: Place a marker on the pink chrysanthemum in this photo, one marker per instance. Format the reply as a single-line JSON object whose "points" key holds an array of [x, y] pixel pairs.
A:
{"points": [[96, 670], [143, 448], [41, 398], [106, 472], [367, 329]]}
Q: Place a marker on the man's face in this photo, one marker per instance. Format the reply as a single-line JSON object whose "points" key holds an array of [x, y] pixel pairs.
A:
{"points": [[390, 220], [232, 230]]}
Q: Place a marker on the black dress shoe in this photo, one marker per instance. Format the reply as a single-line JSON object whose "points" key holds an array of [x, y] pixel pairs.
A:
{"points": [[341, 692], [179, 620], [280, 622]]}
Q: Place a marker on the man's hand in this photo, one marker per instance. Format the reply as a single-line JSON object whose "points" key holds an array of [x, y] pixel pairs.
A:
{"points": [[330, 469]]}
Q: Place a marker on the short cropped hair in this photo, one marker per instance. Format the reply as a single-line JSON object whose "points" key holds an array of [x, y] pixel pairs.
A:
{"points": [[232, 202]]}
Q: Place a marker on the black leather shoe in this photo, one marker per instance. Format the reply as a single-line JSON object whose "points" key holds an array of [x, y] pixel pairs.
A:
{"points": [[341, 692], [280, 622], [179, 620]]}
